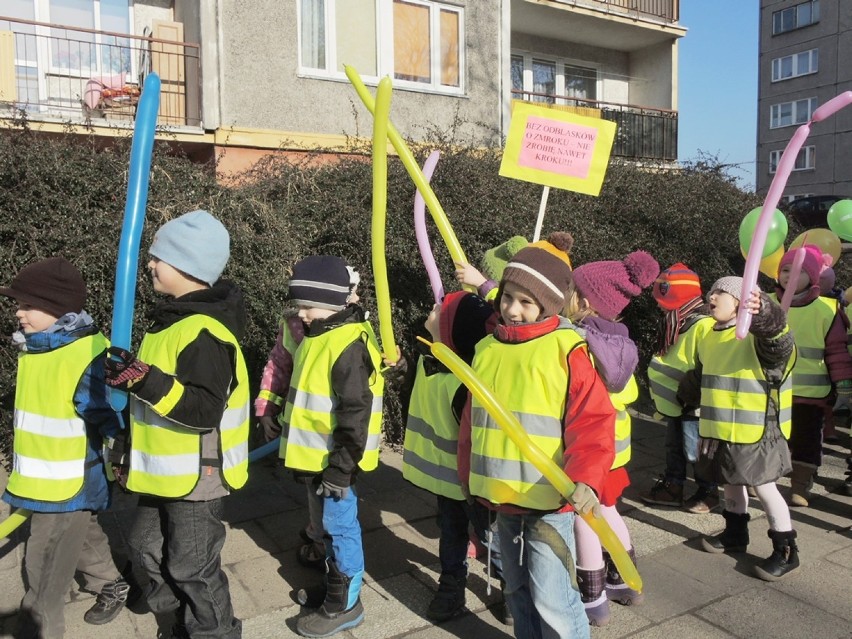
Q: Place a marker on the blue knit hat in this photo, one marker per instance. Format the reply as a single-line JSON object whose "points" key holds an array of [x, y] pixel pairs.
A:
{"points": [[196, 243]]}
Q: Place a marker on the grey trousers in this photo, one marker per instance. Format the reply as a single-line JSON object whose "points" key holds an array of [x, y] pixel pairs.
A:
{"points": [[60, 544]]}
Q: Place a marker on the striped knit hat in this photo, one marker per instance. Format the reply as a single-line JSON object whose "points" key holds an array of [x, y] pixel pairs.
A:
{"points": [[676, 286], [543, 269], [321, 281]]}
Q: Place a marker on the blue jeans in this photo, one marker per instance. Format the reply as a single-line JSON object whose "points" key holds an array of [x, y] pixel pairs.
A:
{"points": [[179, 543], [676, 460], [454, 517], [541, 577], [343, 539]]}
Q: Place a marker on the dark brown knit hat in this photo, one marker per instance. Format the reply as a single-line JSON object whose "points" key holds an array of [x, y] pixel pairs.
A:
{"points": [[543, 269], [53, 285]]}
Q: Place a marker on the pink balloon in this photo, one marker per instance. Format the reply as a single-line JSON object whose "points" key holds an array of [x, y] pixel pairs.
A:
{"points": [[832, 106], [423, 236], [795, 269], [773, 196]]}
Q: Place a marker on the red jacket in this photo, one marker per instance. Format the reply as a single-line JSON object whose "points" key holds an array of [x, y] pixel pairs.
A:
{"points": [[589, 421]]}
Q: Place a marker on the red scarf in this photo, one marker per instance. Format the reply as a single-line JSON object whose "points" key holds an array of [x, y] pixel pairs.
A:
{"points": [[673, 322]]}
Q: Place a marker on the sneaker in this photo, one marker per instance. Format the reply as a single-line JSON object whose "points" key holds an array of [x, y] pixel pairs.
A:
{"points": [[703, 501], [664, 493], [109, 603]]}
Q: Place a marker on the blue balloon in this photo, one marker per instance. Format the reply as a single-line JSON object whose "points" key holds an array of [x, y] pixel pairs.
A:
{"points": [[263, 451], [134, 219]]}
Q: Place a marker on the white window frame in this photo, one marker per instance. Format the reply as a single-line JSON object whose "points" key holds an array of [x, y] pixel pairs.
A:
{"points": [[384, 47], [805, 159], [812, 65], [778, 19], [560, 63], [795, 116]]}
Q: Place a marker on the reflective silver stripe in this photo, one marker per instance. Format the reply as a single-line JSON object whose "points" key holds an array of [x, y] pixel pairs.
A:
{"points": [[810, 380], [663, 369], [30, 467], [621, 445], [540, 425], [785, 414], [506, 469], [235, 456], [372, 442], [49, 426], [808, 352], [441, 473], [731, 384], [234, 417], [733, 415], [164, 465], [420, 427], [311, 401], [376, 406], [308, 439], [664, 392]]}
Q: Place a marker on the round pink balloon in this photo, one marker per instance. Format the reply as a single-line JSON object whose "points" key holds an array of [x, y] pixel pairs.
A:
{"points": [[422, 235]]}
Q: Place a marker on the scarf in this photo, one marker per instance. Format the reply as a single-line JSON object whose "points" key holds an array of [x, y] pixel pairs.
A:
{"points": [[673, 322]]}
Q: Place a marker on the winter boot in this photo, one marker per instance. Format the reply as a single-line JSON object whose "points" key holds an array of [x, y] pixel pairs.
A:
{"points": [[801, 481], [616, 589], [109, 603], [735, 536], [784, 557], [592, 584], [334, 615], [449, 600], [664, 493], [503, 610]]}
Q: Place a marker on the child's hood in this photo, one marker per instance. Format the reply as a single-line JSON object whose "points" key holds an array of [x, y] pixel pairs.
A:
{"points": [[465, 319], [615, 354], [224, 302]]}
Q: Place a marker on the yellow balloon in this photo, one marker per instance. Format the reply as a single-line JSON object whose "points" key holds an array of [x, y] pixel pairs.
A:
{"points": [[380, 208], [769, 264], [554, 474], [826, 240], [14, 520]]}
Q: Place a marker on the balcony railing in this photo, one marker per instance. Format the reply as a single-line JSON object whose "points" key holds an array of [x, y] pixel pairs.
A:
{"points": [[641, 133], [77, 74], [665, 10]]}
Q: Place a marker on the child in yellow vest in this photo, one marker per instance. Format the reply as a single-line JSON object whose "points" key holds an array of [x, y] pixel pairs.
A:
{"points": [[599, 293], [61, 412]]}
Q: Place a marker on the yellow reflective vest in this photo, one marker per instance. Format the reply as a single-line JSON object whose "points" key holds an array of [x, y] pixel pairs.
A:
{"points": [[50, 437], [735, 393], [430, 455], [666, 371], [620, 401], [499, 471], [309, 416], [165, 458]]}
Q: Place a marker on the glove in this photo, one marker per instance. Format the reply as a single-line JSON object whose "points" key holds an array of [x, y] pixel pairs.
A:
{"points": [[120, 473], [327, 489], [843, 405], [122, 370], [271, 427], [584, 500], [707, 447]]}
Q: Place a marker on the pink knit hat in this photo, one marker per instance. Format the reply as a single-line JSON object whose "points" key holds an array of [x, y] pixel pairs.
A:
{"points": [[813, 264], [609, 285]]}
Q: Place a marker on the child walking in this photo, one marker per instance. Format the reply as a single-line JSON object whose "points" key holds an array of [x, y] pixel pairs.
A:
{"points": [[540, 367], [598, 294], [189, 425], [431, 444], [62, 421], [332, 426], [820, 327], [745, 393], [686, 321]]}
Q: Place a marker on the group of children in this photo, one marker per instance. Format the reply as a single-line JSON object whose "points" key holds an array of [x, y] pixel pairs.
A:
{"points": [[545, 337]]}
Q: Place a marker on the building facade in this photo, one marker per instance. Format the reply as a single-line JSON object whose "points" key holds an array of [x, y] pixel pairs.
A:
{"points": [[805, 53], [242, 79]]}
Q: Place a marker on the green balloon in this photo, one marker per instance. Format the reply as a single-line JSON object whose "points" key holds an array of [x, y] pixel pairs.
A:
{"points": [[775, 235], [840, 219]]}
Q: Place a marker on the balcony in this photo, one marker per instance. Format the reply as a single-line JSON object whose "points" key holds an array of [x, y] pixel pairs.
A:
{"points": [[73, 74], [641, 133], [663, 10]]}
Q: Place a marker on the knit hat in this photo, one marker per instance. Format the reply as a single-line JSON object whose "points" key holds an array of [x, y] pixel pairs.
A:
{"points": [[53, 285], [321, 281], [609, 285], [813, 263], [196, 243], [465, 319], [543, 269], [676, 286], [732, 285], [495, 259]]}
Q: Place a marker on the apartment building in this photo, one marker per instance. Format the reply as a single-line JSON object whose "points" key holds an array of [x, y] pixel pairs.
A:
{"points": [[244, 78], [805, 53]]}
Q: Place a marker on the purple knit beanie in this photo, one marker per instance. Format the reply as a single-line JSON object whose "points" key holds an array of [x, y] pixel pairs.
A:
{"points": [[609, 285]]}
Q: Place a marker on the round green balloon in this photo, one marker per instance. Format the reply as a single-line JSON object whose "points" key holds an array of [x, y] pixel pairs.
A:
{"points": [[840, 219], [775, 235]]}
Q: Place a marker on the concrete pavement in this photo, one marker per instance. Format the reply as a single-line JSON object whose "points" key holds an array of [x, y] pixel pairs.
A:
{"points": [[689, 593]]}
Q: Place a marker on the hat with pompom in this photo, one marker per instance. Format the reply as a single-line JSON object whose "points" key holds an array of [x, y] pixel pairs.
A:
{"points": [[609, 285], [813, 264], [495, 259], [543, 269]]}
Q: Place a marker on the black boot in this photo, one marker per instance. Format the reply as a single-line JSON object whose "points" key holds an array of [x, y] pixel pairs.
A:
{"points": [[784, 557], [449, 600], [735, 536], [616, 589], [333, 616], [504, 612], [109, 603]]}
